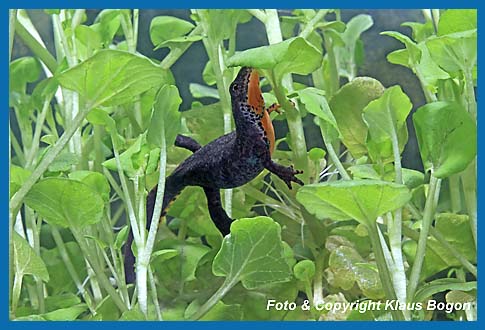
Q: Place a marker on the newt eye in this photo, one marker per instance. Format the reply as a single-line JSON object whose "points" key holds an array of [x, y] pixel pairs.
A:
{"points": [[234, 87]]}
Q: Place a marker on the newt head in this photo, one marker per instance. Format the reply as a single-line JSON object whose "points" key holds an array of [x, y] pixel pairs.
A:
{"points": [[239, 87]]}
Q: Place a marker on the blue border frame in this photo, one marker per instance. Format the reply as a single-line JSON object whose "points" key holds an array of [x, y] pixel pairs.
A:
{"points": [[4, 135]]}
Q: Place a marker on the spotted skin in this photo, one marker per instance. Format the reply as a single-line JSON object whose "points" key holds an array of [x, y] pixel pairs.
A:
{"points": [[227, 162]]}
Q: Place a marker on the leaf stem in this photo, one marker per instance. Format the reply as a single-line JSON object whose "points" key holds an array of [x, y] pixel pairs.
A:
{"points": [[293, 118], [218, 295], [395, 226], [49, 157], [470, 93], [71, 270], [176, 52], [17, 287], [469, 182], [429, 209], [40, 51], [12, 18], [145, 252], [310, 26], [98, 270], [333, 156], [318, 280], [382, 267]]}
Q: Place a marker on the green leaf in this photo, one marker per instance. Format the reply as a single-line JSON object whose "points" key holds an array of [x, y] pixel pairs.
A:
{"points": [[44, 91], [446, 136], [132, 315], [304, 270], [100, 117], [351, 53], [164, 254], [294, 55], [66, 314], [252, 254], [26, 261], [347, 105], [413, 52], [421, 31], [200, 91], [457, 20], [61, 301], [458, 296], [88, 40], [347, 267], [223, 22], [364, 171], [386, 119], [22, 71], [95, 180], [66, 203], [107, 23], [206, 123], [164, 28], [166, 115], [18, 176], [223, 312], [112, 77], [355, 27], [175, 42], [132, 159], [121, 237], [254, 302], [317, 104], [182, 266], [454, 52], [63, 162], [316, 154], [412, 179], [60, 279], [441, 285], [456, 229], [362, 200]]}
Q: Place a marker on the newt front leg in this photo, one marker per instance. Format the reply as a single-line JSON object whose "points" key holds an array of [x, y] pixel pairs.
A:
{"points": [[287, 174]]}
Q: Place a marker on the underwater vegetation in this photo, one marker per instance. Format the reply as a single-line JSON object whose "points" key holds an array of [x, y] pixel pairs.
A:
{"points": [[102, 131]]}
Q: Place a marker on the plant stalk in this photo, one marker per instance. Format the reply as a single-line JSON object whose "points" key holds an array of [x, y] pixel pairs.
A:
{"points": [[383, 270], [295, 124], [429, 209], [145, 252], [218, 295]]}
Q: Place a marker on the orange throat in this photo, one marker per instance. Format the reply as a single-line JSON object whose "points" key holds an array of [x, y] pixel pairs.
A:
{"points": [[255, 99]]}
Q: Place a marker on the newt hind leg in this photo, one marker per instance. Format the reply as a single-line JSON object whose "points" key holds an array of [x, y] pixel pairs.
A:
{"points": [[213, 195], [217, 213]]}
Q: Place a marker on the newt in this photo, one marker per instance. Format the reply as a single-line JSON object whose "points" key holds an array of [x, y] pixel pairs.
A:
{"points": [[229, 161]]}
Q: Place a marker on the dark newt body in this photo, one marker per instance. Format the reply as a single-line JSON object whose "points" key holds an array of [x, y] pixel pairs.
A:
{"points": [[227, 162]]}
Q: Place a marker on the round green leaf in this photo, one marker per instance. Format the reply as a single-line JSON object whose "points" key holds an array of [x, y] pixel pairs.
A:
{"points": [[304, 270], [65, 202], [447, 137], [252, 254], [22, 71], [347, 105], [113, 77], [294, 55], [362, 200], [165, 28]]}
